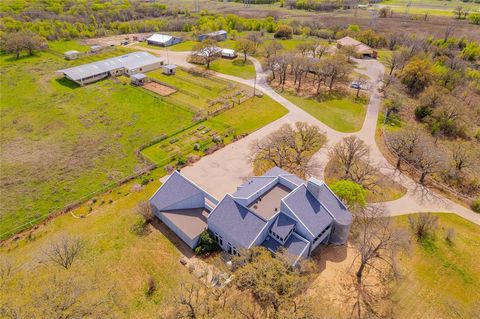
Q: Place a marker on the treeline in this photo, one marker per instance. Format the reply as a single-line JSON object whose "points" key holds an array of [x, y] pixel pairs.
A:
{"points": [[315, 5]]}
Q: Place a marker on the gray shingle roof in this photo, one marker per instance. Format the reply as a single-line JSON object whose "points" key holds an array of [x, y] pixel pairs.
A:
{"points": [[308, 210], [294, 179], [334, 206], [241, 224], [295, 245], [282, 225], [128, 61], [176, 189], [275, 171], [252, 186]]}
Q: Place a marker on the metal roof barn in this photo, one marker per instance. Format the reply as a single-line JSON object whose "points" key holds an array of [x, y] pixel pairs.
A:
{"points": [[127, 63]]}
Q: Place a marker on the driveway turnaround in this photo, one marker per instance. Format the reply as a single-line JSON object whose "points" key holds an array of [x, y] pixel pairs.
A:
{"points": [[220, 172]]}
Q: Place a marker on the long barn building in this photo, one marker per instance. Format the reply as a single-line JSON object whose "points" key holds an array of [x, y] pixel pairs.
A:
{"points": [[131, 63]]}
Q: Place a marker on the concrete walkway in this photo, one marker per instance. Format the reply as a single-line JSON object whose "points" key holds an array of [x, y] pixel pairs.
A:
{"points": [[222, 171]]}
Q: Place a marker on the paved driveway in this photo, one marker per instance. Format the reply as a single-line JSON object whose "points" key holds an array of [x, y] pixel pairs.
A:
{"points": [[222, 171]]}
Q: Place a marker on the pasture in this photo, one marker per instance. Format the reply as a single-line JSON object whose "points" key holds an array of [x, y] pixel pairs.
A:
{"points": [[61, 143], [440, 279], [342, 114]]}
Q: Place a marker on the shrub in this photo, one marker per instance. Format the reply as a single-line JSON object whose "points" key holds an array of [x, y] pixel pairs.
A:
{"points": [[206, 243], [423, 224], [151, 286], [422, 112], [139, 227], [145, 181], [144, 210], [450, 235], [350, 192], [196, 147], [476, 205], [284, 32]]}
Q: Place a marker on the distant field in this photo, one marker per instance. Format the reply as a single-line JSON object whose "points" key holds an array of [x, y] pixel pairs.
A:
{"points": [[343, 115], [441, 280], [432, 7], [61, 142]]}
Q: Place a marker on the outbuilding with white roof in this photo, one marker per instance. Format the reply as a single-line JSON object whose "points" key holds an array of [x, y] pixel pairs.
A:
{"points": [[163, 40]]}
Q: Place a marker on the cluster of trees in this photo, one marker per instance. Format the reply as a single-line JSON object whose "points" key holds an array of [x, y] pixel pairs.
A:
{"points": [[317, 70], [19, 42], [290, 147], [433, 85]]}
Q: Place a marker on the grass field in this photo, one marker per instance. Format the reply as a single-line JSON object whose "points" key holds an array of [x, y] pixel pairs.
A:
{"points": [[432, 7], [114, 259], [244, 118], [343, 115], [61, 142], [441, 280], [234, 67]]}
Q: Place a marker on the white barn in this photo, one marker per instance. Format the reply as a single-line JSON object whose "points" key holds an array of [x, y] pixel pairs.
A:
{"points": [[163, 40], [131, 63]]}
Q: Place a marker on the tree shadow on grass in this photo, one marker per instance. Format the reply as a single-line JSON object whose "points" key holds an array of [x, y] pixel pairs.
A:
{"points": [[67, 83], [13, 58]]}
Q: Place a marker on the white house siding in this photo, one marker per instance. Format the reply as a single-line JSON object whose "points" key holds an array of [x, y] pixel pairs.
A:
{"points": [[225, 238], [287, 183], [91, 79], [191, 242]]}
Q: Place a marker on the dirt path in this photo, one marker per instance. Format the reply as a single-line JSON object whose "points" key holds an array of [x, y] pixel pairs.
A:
{"points": [[223, 171]]}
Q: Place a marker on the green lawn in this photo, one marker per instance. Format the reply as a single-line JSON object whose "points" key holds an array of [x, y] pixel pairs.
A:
{"points": [[61, 142], [343, 115], [244, 118], [190, 44], [439, 279], [234, 67]]}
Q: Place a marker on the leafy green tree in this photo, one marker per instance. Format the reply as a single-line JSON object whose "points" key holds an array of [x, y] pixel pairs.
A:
{"points": [[245, 46], [284, 32], [350, 192], [417, 75], [474, 17]]}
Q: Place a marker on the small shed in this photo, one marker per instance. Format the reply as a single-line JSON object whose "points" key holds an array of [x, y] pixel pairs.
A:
{"points": [[229, 53], [138, 79], [169, 69], [71, 55], [95, 48]]}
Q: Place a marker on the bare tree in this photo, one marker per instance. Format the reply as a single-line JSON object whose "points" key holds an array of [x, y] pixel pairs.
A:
{"points": [[349, 51], [348, 152], [144, 209], [394, 61], [462, 157], [404, 142], [361, 81], [64, 250], [208, 51], [245, 46], [256, 38], [320, 50], [376, 242], [290, 147], [303, 47], [423, 224], [336, 69], [427, 159], [272, 48]]}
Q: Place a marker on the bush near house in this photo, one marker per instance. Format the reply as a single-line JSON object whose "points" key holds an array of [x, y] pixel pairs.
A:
{"points": [[206, 243]]}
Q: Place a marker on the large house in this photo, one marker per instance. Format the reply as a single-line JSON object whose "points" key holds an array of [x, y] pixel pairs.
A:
{"points": [[277, 210], [131, 63], [361, 49], [163, 40]]}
